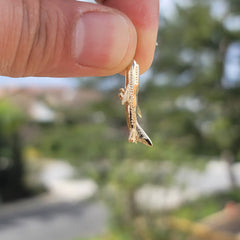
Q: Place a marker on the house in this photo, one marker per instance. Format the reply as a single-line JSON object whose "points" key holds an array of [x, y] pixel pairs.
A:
{"points": [[40, 104]]}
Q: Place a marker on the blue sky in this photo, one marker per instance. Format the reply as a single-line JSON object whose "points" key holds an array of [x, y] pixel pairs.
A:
{"points": [[37, 81]]}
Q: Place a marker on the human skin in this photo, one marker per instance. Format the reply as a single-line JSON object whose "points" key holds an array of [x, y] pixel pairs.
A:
{"points": [[65, 38]]}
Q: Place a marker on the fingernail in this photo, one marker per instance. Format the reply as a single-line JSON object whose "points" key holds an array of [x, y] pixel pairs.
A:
{"points": [[100, 40]]}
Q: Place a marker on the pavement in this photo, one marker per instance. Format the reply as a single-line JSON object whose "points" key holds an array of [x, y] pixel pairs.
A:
{"points": [[40, 219], [65, 212]]}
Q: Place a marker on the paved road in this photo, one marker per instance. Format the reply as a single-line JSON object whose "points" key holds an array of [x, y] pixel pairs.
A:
{"points": [[43, 220]]}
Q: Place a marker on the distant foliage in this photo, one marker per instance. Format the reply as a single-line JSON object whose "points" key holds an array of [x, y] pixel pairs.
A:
{"points": [[11, 163]]}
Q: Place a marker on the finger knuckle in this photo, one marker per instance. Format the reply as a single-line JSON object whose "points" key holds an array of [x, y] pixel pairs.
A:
{"points": [[37, 39]]}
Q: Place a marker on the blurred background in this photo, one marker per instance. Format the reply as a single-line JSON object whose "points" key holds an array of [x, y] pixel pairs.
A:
{"points": [[67, 171]]}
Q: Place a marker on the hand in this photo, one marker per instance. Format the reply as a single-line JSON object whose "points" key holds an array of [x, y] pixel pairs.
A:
{"points": [[65, 38]]}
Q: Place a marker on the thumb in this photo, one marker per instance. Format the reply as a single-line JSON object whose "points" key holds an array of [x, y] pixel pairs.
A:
{"points": [[62, 38]]}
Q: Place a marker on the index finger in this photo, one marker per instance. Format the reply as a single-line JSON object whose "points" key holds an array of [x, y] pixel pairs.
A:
{"points": [[145, 16]]}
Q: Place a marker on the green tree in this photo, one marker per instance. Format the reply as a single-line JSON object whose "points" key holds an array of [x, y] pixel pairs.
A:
{"points": [[195, 110], [11, 162]]}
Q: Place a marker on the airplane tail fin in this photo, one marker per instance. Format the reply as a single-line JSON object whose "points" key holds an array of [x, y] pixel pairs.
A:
{"points": [[143, 137]]}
